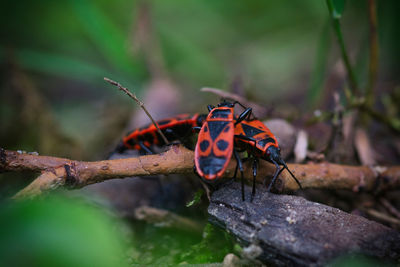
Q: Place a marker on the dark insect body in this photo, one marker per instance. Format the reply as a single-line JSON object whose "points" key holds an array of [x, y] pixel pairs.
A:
{"points": [[174, 128], [257, 139], [214, 146]]}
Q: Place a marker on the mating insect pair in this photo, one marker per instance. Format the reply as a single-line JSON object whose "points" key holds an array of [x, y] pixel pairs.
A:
{"points": [[221, 135]]}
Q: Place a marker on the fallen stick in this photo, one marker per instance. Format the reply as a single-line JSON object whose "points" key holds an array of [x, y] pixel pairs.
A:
{"points": [[61, 172], [288, 230]]}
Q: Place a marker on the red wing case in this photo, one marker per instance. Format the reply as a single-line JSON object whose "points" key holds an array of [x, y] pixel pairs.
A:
{"points": [[259, 132], [180, 125], [215, 143]]}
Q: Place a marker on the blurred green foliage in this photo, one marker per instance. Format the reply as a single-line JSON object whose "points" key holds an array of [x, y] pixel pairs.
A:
{"points": [[277, 48], [63, 231], [204, 43], [58, 231]]}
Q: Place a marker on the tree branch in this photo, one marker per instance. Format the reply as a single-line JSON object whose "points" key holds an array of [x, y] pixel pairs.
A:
{"points": [[60, 172], [292, 231]]}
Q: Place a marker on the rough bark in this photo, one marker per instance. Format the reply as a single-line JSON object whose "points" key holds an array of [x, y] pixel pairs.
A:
{"points": [[59, 172], [293, 231]]}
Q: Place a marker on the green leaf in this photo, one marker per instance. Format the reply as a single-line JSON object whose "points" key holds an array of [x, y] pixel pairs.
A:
{"points": [[196, 198]]}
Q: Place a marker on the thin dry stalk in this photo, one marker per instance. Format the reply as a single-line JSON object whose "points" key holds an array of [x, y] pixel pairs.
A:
{"points": [[140, 103]]}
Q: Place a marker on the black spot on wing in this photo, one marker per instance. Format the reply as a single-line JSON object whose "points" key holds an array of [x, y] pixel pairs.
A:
{"points": [[216, 128], [222, 145], [250, 131], [220, 113], [149, 137], [227, 129], [265, 141], [204, 145], [176, 132], [131, 142]]}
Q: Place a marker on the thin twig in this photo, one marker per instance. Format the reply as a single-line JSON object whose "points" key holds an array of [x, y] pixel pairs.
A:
{"points": [[390, 207], [140, 103], [382, 217]]}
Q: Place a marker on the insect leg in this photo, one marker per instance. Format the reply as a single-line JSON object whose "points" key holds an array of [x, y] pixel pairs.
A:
{"points": [[196, 129], [278, 170], [245, 114], [244, 107], [251, 139], [243, 137], [145, 148], [239, 162], [253, 191], [236, 169], [210, 107]]}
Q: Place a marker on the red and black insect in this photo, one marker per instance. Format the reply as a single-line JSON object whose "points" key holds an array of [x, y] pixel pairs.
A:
{"points": [[175, 128], [256, 138], [214, 147]]}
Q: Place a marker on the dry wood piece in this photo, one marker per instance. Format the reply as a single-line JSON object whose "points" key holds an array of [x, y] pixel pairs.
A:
{"points": [[58, 172], [77, 174], [292, 231]]}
